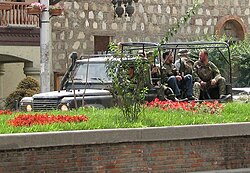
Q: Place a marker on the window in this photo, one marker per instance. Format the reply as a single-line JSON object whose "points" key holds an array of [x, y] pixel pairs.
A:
{"points": [[101, 44]]}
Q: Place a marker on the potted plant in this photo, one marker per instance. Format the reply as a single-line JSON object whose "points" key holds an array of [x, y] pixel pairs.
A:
{"points": [[56, 10], [35, 8]]}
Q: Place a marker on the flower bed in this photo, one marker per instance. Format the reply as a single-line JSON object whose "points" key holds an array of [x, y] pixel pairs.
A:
{"points": [[204, 107], [43, 119], [5, 112]]}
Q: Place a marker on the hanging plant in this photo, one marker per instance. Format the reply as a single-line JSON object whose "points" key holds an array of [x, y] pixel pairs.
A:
{"points": [[35, 8], [56, 10]]}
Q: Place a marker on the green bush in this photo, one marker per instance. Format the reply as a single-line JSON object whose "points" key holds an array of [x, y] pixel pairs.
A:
{"points": [[26, 88], [241, 62]]}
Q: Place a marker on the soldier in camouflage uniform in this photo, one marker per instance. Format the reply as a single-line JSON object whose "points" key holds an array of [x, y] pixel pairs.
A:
{"points": [[184, 64], [174, 80], [207, 75]]}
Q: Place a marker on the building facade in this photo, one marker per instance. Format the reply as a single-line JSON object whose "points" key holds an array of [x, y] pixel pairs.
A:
{"points": [[87, 26]]}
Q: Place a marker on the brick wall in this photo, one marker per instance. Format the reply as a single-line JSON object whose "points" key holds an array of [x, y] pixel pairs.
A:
{"points": [[162, 156], [165, 149]]}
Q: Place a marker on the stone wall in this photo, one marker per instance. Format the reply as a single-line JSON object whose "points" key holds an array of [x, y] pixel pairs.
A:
{"points": [[83, 20]]}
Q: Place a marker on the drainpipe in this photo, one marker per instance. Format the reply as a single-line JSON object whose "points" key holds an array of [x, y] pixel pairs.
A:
{"points": [[44, 48], [2, 71]]}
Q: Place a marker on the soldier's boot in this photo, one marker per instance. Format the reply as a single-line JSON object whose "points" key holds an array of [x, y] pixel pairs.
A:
{"points": [[222, 88], [196, 90]]}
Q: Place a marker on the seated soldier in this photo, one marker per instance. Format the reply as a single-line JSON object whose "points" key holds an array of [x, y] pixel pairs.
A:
{"points": [[206, 76], [184, 64], [174, 80], [154, 69]]}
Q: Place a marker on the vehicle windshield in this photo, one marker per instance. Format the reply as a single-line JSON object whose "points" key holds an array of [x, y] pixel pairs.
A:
{"points": [[96, 72]]}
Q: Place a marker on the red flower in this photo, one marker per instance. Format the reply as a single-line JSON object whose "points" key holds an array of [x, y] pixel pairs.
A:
{"points": [[206, 107], [43, 119], [5, 112]]}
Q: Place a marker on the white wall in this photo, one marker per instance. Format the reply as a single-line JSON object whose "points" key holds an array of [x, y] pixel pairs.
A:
{"points": [[13, 75]]}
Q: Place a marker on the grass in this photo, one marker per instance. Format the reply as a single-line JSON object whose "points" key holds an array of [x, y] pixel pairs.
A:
{"points": [[111, 118]]}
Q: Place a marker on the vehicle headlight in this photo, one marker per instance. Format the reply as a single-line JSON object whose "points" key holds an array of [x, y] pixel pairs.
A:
{"points": [[64, 108], [28, 108]]}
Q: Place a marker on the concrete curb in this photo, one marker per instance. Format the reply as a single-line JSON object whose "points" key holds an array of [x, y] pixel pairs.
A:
{"points": [[83, 137], [243, 170]]}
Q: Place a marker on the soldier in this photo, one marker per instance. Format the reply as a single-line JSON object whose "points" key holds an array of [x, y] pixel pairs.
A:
{"points": [[154, 69], [184, 64], [175, 80], [207, 75]]}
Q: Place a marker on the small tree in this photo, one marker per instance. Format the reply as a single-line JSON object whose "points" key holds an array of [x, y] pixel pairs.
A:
{"points": [[26, 88], [129, 88]]}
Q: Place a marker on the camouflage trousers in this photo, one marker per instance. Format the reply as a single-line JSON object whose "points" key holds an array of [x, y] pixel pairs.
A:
{"points": [[221, 83]]}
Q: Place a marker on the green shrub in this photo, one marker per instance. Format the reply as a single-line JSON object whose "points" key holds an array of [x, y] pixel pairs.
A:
{"points": [[26, 88]]}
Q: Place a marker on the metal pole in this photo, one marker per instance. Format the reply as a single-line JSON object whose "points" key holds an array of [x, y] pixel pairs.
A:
{"points": [[44, 48]]}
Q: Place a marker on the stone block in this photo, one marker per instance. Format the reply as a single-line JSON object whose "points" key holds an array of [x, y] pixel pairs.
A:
{"points": [[93, 7], [209, 22], [142, 27], [71, 34], [82, 15], [68, 5], [62, 35], [86, 23], [189, 31], [141, 8], [198, 30], [154, 19], [205, 30], [114, 26], [95, 25], [174, 12], [208, 12], [163, 20], [183, 10], [236, 3], [76, 45], [216, 12], [150, 9], [232, 11], [76, 5], [91, 15], [100, 15], [247, 12], [145, 17], [104, 26], [81, 35], [159, 9], [238, 12], [200, 11], [168, 10], [134, 26], [86, 6], [198, 22], [84, 45]]}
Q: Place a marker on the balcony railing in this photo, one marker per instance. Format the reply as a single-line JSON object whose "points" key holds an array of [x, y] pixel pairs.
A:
{"points": [[14, 14]]}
